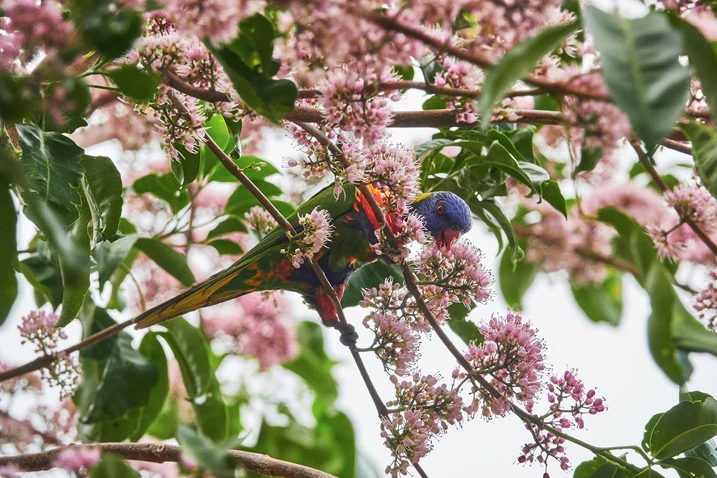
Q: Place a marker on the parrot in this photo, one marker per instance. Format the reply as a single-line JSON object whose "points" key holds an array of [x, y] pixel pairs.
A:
{"points": [[264, 267]]}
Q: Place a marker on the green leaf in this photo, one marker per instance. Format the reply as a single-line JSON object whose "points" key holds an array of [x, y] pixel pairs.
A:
{"points": [[657, 281], [640, 61], [112, 466], [550, 192], [268, 97], [165, 187], [465, 329], [186, 166], [312, 364], [103, 188], [706, 452], [110, 30], [217, 129], [703, 59], [76, 276], [497, 216], [190, 348], [515, 278], [704, 151], [226, 247], [255, 44], [110, 255], [690, 467], [499, 157], [51, 162], [167, 258], [368, 276], [682, 428], [139, 84], [518, 62], [117, 382], [601, 302], [8, 250], [589, 158], [152, 350], [19, 97], [210, 457], [242, 200], [225, 227]]}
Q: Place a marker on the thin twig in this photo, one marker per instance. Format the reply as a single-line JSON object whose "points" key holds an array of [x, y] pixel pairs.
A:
{"points": [[161, 453], [645, 161]]}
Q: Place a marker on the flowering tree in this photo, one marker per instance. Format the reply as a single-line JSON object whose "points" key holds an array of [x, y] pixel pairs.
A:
{"points": [[539, 111]]}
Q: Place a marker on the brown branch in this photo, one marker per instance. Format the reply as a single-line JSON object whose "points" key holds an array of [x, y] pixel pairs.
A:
{"points": [[161, 453], [645, 161], [428, 88]]}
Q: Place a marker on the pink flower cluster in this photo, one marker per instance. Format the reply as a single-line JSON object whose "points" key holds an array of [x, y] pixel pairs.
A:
{"points": [[38, 328], [425, 410], [176, 126], [390, 300], [254, 326], [28, 27], [600, 124], [259, 219], [216, 20], [453, 275], [512, 356], [395, 167], [705, 302], [395, 345], [316, 232], [569, 402], [694, 202], [406, 229], [463, 75], [352, 102]]}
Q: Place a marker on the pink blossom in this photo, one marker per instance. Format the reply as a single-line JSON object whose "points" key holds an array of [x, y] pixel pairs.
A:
{"points": [[668, 244], [461, 75], [316, 232], [216, 20], [513, 357], [427, 411], [354, 104], [77, 458], [704, 19], [38, 328], [643, 204], [693, 202], [260, 220], [396, 168], [394, 343], [705, 302], [407, 229], [178, 127], [254, 325]]}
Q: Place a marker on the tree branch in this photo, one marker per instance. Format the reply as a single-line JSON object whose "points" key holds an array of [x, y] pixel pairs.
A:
{"points": [[161, 453], [645, 161]]}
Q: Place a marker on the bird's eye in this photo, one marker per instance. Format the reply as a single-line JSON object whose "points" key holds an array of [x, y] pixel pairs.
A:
{"points": [[440, 209]]}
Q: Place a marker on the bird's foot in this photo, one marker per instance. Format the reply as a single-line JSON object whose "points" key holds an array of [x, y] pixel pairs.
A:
{"points": [[349, 336]]}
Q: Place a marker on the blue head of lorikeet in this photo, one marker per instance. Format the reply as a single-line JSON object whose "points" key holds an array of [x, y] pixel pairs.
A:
{"points": [[446, 216]]}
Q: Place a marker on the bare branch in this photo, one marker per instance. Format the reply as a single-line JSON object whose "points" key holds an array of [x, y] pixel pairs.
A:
{"points": [[161, 453]]}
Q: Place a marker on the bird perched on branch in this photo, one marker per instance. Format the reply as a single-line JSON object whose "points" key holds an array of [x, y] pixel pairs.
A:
{"points": [[267, 266]]}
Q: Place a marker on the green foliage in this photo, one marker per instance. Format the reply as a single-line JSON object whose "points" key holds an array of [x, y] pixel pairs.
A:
{"points": [[166, 258], [51, 163], [110, 255], [312, 364], [704, 150], [192, 352], [467, 330], [18, 97], [702, 56], [601, 302], [518, 63], [108, 29], [118, 384], [640, 61], [8, 250], [515, 278], [112, 466], [682, 428], [103, 188], [227, 226], [368, 276], [140, 85], [209, 456], [164, 187], [152, 350], [248, 63], [671, 329]]}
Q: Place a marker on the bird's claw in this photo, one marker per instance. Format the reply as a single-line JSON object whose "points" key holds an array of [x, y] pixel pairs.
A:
{"points": [[349, 336]]}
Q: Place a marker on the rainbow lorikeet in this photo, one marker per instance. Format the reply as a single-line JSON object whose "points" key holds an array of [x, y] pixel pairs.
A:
{"points": [[265, 267]]}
